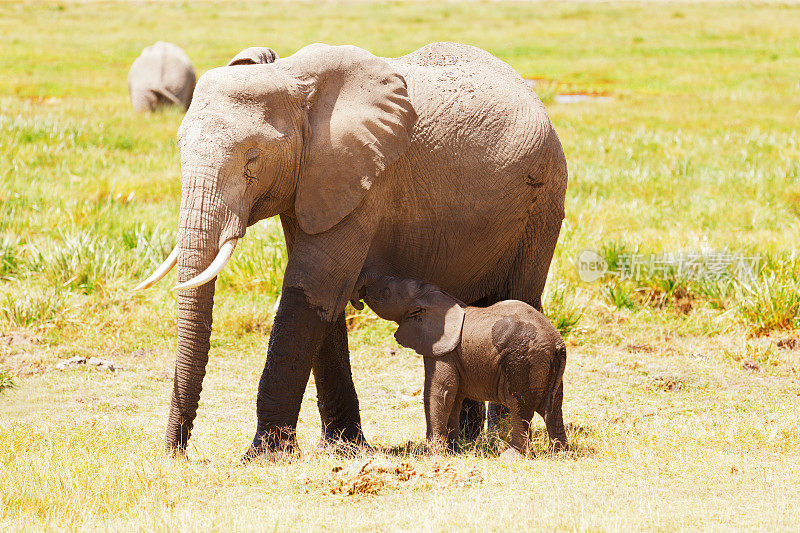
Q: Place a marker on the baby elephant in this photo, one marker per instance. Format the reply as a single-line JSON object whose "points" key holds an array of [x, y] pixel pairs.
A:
{"points": [[162, 75], [508, 353]]}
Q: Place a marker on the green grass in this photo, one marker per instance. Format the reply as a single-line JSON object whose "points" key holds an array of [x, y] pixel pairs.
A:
{"points": [[681, 392], [6, 380]]}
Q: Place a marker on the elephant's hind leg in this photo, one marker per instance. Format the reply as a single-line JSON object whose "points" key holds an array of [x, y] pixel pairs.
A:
{"points": [[520, 433], [520, 429], [471, 420], [529, 272], [554, 420], [336, 393]]}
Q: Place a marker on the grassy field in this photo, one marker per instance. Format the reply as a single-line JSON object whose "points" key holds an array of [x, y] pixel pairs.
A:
{"points": [[682, 393]]}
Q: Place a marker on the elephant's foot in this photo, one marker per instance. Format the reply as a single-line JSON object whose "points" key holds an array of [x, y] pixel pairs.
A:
{"points": [[344, 439], [272, 446], [270, 456], [344, 448], [557, 446], [442, 447], [347, 430], [511, 455]]}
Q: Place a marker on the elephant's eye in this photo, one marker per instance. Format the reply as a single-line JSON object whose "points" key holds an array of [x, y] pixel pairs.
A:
{"points": [[416, 313], [251, 155], [385, 293]]}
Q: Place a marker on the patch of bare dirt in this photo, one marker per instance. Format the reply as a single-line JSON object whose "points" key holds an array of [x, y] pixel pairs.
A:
{"points": [[25, 363], [377, 474], [791, 343], [684, 300], [19, 339], [22, 353], [667, 382], [639, 348], [750, 365], [104, 365]]}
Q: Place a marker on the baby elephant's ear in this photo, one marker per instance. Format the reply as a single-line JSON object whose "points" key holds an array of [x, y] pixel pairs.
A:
{"points": [[433, 327], [255, 55]]}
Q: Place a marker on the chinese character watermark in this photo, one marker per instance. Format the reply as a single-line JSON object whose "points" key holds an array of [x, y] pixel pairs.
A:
{"points": [[705, 265]]}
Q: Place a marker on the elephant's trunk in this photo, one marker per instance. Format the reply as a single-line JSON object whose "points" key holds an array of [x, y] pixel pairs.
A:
{"points": [[195, 307], [204, 225], [195, 317], [214, 268]]}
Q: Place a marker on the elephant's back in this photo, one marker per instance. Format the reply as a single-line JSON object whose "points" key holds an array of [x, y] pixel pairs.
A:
{"points": [[511, 327], [168, 53], [479, 108], [461, 66], [166, 65], [459, 82], [522, 315]]}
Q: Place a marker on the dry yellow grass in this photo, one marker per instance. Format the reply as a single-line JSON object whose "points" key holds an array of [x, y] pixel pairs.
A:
{"points": [[683, 402], [83, 449]]}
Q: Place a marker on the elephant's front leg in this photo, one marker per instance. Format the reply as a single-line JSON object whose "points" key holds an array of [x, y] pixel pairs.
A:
{"points": [[297, 335], [309, 329], [439, 395], [336, 394]]}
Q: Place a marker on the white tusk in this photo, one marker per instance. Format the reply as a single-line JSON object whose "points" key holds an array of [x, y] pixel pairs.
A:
{"points": [[161, 271], [213, 269]]}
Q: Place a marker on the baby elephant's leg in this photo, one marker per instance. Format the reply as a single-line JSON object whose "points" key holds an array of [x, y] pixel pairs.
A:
{"points": [[520, 428], [554, 421], [441, 388], [452, 424]]}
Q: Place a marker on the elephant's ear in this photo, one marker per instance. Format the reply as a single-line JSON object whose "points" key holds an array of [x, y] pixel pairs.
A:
{"points": [[360, 120], [255, 55], [433, 328]]}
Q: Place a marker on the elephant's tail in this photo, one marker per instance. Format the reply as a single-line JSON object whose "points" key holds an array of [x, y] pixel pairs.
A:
{"points": [[168, 95], [554, 379]]}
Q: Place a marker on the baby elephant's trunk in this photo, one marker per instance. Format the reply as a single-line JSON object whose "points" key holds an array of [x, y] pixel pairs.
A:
{"points": [[551, 404]]}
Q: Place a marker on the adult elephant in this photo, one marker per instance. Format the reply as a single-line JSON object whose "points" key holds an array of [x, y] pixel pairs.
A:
{"points": [[441, 165], [162, 75]]}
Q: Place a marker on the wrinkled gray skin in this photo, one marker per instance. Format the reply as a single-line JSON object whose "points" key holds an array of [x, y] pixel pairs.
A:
{"points": [[162, 75], [507, 353], [441, 165]]}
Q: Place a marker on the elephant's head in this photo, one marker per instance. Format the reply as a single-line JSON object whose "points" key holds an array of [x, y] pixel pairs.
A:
{"points": [[303, 136], [429, 320]]}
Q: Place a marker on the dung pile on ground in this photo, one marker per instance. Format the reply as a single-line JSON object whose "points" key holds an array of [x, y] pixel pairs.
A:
{"points": [[376, 474]]}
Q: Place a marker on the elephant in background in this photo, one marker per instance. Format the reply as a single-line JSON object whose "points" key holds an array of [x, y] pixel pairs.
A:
{"points": [[162, 75], [441, 165]]}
